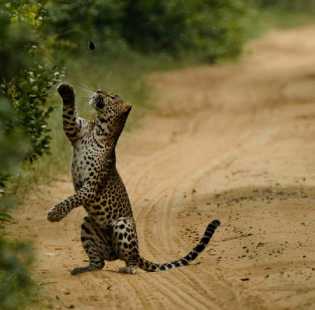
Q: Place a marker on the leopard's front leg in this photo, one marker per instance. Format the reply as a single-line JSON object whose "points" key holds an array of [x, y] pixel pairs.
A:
{"points": [[85, 195], [71, 123], [59, 211]]}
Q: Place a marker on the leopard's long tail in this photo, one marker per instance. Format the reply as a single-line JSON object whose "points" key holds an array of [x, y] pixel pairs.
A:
{"points": [[193, 254]]}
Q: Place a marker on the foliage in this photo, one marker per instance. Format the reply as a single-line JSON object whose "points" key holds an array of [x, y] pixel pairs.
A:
{"points": [[13, 145], [70, 24], [27, 75], [28, 95], [15, 282], [16, 61], [304, 5], [211, 29]]}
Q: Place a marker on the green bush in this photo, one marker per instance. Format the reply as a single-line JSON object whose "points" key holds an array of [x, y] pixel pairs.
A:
{"points": [[302, 5], [211, 29], [15, 282], [13, 144], [28, 95], [26, 76], [71, 24], [15, 257]]}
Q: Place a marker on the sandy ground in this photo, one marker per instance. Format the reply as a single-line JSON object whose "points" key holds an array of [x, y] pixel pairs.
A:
{"points": [[234, 142]]}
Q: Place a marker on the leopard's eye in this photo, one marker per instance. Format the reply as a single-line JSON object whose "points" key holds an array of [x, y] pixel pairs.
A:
{"points": [[99, 102]]}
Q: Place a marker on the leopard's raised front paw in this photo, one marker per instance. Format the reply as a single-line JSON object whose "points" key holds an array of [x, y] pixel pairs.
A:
{"points": [[54, 216], [65, 91]]}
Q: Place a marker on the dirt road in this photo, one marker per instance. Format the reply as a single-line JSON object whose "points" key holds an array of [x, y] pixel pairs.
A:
{"points": [[234, 142]]}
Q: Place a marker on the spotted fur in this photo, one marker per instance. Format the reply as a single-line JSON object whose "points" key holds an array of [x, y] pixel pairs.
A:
{"points": [[108, 232]]}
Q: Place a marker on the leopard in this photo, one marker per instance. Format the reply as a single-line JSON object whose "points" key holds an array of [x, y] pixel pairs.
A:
{"points": [[108, 231]]}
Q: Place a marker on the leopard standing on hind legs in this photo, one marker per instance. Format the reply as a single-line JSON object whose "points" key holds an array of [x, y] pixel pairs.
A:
{"points": [[108, 232]]}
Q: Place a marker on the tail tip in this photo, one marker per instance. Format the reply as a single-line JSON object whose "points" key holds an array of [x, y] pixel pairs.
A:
{"points": [[216, 223]]}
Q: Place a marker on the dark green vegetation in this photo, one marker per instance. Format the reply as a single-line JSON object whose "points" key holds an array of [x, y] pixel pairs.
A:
{"points": [[283, 14], [294, 5], [211, 29], [15, 282], [15, 257], [26, 73], [43, 42], [17, 143]]}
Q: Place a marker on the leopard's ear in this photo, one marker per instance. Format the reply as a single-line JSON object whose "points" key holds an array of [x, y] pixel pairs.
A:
{"points": [[127, 108]]}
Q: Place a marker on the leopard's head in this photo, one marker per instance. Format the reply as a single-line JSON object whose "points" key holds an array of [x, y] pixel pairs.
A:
{"points": [[112, 113]]}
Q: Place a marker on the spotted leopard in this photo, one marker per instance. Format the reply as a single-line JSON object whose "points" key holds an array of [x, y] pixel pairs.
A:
{"points": [[108, 232]]}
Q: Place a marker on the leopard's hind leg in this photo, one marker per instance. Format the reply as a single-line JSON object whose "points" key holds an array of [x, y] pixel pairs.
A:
{"points": [[97, 244], [125, 243]]}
